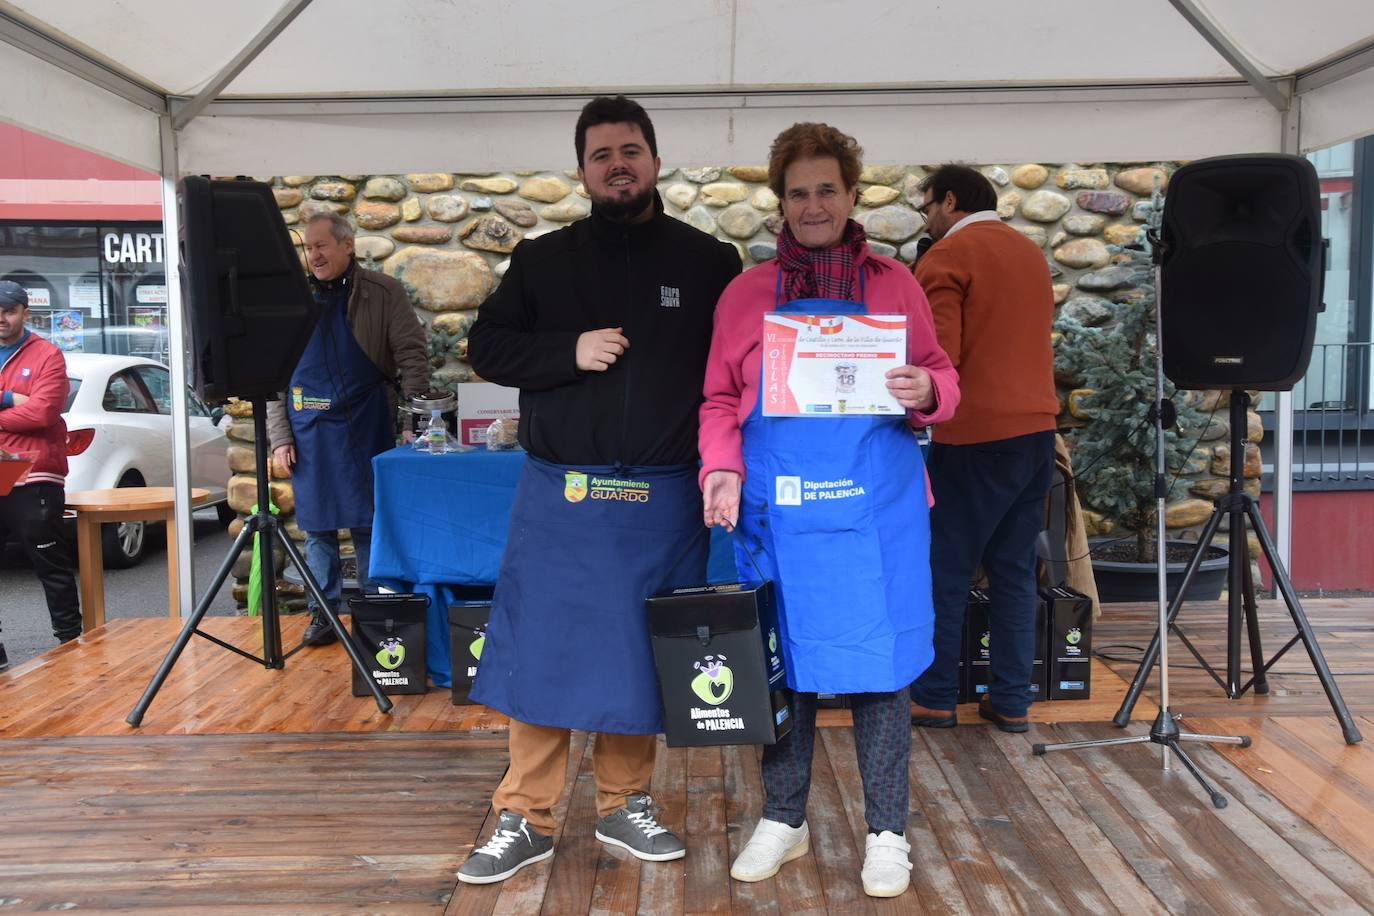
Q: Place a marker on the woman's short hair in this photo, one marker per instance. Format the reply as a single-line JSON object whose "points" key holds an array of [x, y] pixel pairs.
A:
{"points": [[807, 140], [972, 190]]}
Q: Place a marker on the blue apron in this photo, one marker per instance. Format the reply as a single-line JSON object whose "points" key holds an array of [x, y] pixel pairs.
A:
{"points": [[853, 564], [339, 415], [568, 642]]}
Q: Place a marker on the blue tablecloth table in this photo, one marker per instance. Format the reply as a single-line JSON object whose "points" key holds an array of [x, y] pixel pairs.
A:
{"points": [[440, 529]]}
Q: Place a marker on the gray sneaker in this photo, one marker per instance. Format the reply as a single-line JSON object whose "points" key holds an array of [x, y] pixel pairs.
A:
{"points": [[513, 845], [633, 828]]}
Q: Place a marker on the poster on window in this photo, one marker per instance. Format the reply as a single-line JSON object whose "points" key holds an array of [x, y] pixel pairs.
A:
{"points": [[146, 317], [151, 292], [67, 325], [831, 365], [84, 296]]}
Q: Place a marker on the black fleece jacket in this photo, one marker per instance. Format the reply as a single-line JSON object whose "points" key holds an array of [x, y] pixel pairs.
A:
{"points": [[659, 280]]}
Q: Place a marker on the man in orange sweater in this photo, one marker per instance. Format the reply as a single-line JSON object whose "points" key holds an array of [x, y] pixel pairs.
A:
{"points": [[990, 466]]}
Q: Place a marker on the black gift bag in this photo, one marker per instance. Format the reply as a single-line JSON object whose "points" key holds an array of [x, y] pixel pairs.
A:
{"points": [[389, 633], [720, 674], [1069, 628], [467, 634]]}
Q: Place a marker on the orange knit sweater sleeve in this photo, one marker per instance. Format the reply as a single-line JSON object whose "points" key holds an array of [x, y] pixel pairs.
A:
{"points": [[991, 296]]}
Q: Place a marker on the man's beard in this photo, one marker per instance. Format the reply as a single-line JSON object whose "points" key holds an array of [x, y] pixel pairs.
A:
{"points": [[619, 209]]}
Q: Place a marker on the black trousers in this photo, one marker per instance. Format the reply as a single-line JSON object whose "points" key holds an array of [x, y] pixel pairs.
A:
{"points": [[32, 514], [989, 509], [882, 740]]}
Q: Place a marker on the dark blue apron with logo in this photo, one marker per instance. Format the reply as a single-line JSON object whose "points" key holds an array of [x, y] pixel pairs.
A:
{"points": [[337, 406], [852, 564], [568, 641]]}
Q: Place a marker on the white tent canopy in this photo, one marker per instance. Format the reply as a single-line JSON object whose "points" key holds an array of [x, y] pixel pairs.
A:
{"points": [[353, 86], [358, 87]]}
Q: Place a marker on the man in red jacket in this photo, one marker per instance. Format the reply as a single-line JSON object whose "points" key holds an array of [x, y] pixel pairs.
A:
{"points": [[33, 392]]}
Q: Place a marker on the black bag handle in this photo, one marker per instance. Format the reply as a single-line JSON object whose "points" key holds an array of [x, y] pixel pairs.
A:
{"points": [[734, 533]]}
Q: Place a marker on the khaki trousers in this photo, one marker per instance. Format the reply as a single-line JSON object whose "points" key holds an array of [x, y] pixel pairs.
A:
{"points": [[622, 764]]}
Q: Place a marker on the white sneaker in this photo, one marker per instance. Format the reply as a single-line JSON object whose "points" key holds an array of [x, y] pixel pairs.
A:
{"points": [[772, 844], [887, 864]]}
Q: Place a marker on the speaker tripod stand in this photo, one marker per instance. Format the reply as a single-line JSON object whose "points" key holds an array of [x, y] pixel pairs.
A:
{"points": [[1164, 731], [1236, 507], [265, 523]]}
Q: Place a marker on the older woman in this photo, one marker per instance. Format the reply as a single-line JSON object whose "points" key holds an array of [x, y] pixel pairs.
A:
{"points": [[853, 571]]}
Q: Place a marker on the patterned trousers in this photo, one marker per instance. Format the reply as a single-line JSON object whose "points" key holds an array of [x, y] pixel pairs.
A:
{"points": [[882, 738]]}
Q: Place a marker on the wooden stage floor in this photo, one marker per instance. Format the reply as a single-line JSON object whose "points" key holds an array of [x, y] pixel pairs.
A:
{"points": [[259, 791]]}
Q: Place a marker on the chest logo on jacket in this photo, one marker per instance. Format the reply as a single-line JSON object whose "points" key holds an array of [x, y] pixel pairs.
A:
{"points": [[669, 297]]}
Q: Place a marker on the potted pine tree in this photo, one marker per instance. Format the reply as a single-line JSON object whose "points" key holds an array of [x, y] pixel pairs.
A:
{"points": [[1112, 359]]}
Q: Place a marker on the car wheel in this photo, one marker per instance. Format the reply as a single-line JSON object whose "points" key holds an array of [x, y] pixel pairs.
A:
{"points": [[124, 543]]}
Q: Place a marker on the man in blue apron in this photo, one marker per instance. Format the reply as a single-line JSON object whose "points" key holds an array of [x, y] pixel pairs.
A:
{"points": [[339, 409], [604, 327]]}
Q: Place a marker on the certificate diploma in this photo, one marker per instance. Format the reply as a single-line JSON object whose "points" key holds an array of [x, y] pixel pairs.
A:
{"points": [[831, 365]]}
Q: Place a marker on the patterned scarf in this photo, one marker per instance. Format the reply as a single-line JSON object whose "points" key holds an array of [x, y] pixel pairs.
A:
{"points": [[826, 273]]}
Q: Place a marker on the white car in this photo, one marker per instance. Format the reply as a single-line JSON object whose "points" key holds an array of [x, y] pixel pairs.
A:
{"points": [[119, 434]]}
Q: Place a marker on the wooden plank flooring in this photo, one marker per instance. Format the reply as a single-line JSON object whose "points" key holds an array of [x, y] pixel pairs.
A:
{"points": [[87, 687], [262, 823], [277, 791], [1345, 632]]}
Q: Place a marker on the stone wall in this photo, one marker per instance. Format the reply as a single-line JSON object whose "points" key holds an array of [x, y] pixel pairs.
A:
{"points": [[447, 238]]}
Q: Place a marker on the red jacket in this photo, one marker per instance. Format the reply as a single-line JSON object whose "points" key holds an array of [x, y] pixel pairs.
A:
{"points": [[35, 428]]}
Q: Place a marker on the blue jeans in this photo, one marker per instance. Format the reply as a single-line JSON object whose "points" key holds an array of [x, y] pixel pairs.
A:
{"points": [[322, 556], [989, 509]]}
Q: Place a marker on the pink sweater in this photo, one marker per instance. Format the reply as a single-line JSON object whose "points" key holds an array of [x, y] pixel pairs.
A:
{"points": [[732, 369]]}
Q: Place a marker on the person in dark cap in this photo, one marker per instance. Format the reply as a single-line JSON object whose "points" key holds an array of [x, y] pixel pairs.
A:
{"points": [[33, 391]]}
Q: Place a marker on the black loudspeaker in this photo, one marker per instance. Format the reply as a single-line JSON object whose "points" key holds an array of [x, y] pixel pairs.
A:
{"points": [[1241, 272], [250, 306]]}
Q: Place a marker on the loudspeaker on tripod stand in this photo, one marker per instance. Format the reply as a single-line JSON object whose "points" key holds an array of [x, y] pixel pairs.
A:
{"points": [[1241, 270], [1239, 283], [251, 315]]}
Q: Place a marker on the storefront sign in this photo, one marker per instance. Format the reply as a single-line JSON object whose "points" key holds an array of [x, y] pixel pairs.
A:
{"points": [[133, 247]]}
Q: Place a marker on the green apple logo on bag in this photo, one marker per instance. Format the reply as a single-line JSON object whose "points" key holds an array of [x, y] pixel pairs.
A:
{"points": [[475, 647], [715, 681], [1074, 636], [391, 654], [772, 640]]}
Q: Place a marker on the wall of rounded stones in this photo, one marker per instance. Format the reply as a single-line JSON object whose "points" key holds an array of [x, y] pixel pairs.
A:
{"points": [[447, 237]]}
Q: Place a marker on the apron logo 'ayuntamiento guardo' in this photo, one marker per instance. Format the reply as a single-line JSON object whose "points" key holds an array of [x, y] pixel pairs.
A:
{"points": [[577, 487]]}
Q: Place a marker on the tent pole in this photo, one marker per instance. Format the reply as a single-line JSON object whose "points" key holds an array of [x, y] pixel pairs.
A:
{"points": [[284, 17], [1192, 11], [1283, 406], [176, 351]]}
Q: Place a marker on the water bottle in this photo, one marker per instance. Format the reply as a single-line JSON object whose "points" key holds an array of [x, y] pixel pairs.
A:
{"points": [[436, 434]]}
